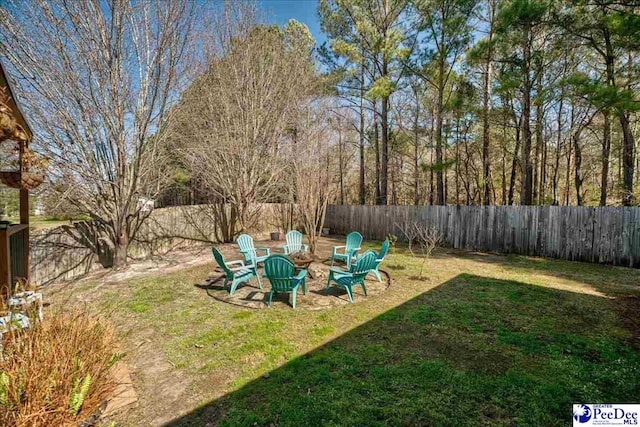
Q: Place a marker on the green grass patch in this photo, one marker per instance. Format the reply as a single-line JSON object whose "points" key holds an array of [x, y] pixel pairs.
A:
{"points": [[480, 340], [473, 351]]}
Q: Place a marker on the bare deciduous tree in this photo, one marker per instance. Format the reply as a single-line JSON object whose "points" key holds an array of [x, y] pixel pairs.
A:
{"points": [[313, 170], [234, 121], [96, 79], [426, 237]]}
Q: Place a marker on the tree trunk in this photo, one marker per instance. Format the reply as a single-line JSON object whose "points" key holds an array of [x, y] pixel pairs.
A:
{"points": [[457, 168], [363, 189], [606, 150], [539, 151], [556, 167], [341, 166], [627, 159], [486, 106], [384, 172], [514, 163], [439, 119], [121, 248], [416, 142], [377, 149], [578, 179], [526, 189], [431, 199]]}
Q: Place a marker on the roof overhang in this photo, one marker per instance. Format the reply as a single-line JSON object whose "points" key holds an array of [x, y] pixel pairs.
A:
{"points": [[13, 103]]}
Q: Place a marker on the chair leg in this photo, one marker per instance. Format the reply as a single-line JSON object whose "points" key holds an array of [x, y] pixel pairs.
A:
{"points": [[349, 293], [234, 285], [332, 260], [269, 299], [364, 289], [224, 285], [258, 278], [326, 290], [294, 292], [304, 286], [377, 274]]}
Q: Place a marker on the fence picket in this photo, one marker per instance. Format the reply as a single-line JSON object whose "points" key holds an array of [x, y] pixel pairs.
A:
{"points": [[609, 235]]}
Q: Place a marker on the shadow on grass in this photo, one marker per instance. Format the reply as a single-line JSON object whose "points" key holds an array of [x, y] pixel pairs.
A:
{"points": [[473, 351]]}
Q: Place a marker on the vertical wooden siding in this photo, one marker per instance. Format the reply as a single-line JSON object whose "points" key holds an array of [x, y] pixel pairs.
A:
{"points": [[608, 235]]}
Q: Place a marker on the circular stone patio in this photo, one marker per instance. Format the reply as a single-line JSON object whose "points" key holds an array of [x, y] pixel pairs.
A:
{"points": [[249, 294]]}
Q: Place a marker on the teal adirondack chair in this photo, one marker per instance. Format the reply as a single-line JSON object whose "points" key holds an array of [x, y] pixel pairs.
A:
{"points": [[380, 257], [355, 276], [354, 240], [250, 252], [235, 276], [294, 243], [279, 269]]}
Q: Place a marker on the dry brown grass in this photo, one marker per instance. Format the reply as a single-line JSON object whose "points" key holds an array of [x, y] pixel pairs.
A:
{"points": [[58, 372]]}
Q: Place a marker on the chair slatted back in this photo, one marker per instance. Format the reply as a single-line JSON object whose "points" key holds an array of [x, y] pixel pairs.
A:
{"points": [[354, 240], [245, 242], [217, 255], [384, 250], [294, 241], [279, 270], [366, 262]]}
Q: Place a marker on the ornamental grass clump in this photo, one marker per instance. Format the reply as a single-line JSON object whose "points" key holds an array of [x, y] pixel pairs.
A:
{"points": [[58, 372]]}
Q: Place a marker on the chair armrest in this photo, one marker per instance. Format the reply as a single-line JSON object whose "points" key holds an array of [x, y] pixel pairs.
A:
{"points": [[266, 250], [335, 249], [301, 275], [241, 262], [285, 249], [305, 247], [338, 270]]}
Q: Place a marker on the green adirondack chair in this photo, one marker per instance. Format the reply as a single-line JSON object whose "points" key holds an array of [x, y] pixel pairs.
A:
{"points": [[294, 242], [354, 240], [250, 252], [235, 276], [379, 258], [279, 269], [355, 276]]}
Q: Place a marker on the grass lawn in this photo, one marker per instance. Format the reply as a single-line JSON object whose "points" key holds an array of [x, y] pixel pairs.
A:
{"points": [[41, 223], [482, 340]]}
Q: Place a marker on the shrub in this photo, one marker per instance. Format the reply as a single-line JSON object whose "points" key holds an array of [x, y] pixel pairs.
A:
{"points": [[58, 372]]}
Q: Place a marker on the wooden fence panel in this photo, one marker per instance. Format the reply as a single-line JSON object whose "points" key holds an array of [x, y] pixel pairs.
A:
{"points": [[607, 235], [67, 252]]}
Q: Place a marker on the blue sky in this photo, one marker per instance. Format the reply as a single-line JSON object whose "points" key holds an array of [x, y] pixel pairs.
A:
{"points": [[280, 11]]}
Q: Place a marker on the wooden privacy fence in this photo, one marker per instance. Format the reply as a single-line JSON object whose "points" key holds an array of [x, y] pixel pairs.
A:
{"points": [[609, 235], [71, 251]]}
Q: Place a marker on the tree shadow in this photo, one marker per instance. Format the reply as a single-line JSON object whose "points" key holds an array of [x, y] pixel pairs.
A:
{"points": [[472, 351]]}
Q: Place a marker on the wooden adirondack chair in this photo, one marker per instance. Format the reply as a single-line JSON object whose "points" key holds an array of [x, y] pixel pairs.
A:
{"points": [[250, 252], [294, 242], [235, 276], [354, 240], [279, 269], [355, 276], [380, 257]]}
